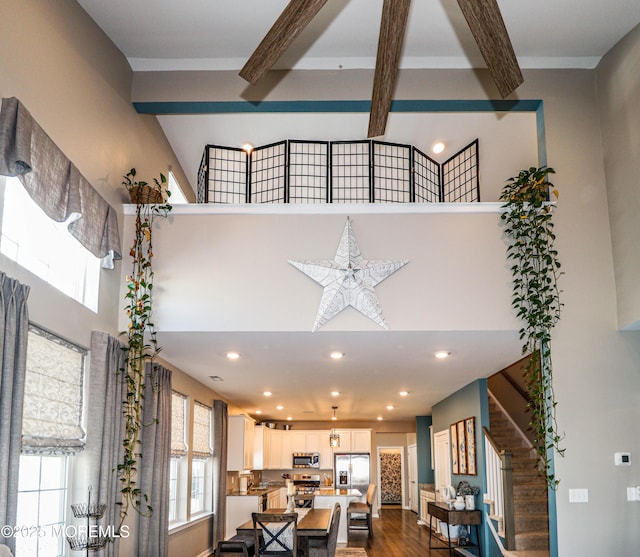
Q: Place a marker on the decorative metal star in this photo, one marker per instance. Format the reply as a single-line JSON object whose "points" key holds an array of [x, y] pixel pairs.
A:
{"points": [[349, 280]]}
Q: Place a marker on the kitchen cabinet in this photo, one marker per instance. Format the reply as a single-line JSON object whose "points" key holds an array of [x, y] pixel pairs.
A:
{"points": [[313, 441], [239, 509], [240, 443], [354, 441], [426, 496], [273, 499], [279, 455], [261, 447]]}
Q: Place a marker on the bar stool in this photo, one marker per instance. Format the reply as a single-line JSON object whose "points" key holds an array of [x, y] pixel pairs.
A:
{"points": [[358, 508]]}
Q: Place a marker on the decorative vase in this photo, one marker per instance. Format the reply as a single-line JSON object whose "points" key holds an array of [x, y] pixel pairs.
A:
{"points": [[290, 504], [469, 502], [459, 504]]}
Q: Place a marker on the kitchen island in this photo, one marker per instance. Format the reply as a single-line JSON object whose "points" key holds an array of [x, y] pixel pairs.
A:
{"points": [[327, 497]]}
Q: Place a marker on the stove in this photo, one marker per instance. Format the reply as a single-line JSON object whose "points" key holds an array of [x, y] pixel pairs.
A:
{"points": [[306, 487]]}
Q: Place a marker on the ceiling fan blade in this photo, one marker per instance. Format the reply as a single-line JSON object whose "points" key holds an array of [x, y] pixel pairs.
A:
{"points": [[488, 29], [293, 19], [392, 30]]}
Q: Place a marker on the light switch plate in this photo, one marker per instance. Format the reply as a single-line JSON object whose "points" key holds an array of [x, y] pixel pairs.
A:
{"points": [[578, 496]]}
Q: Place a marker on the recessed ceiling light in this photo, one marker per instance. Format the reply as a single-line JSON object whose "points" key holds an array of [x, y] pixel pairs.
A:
{"points": [[258, 411], [390, 407], [437, 147], [233, 355], [380, 418], [335, 393], [336, 355], [442, 354], [279, 407], [289, 418], [403, 393], [267, 393]]}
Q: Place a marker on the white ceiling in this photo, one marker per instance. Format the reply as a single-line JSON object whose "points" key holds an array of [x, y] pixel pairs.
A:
{"points": [[220, 35]]}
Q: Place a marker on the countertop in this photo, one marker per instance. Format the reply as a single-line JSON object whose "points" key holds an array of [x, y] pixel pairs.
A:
{"points": [[332, 492], [254, 491]]}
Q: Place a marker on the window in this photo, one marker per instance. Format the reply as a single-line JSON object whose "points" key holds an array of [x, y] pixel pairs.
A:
{"points": [[177, 197], [198, 469], [173, 490], [178, 464], [201, 468], [45, 247], [42, 501], [191, 466], [51, 433]]}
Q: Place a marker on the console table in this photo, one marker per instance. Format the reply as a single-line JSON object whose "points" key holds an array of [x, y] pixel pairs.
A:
{"points": [[441, 511]]}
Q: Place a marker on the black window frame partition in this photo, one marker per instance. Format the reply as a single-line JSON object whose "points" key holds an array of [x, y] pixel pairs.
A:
{"points": [[348, 172]]}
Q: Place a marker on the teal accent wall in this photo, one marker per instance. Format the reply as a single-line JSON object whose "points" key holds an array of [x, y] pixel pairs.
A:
{"points": [[471, 400], [423, 442]]}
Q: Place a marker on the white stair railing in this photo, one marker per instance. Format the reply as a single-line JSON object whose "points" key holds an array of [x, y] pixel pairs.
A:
{"points": [[499, 495]]}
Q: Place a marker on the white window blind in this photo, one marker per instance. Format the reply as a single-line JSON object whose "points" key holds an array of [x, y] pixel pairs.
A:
{"points": [[52, 415], [201, 431], [178, 423]]}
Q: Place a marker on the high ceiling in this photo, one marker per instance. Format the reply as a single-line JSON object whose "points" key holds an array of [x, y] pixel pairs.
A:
{"points": [[220, 35]]}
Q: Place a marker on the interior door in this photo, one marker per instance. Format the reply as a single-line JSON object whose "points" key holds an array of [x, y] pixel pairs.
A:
{"points": [[442, 463], [412, 452]]}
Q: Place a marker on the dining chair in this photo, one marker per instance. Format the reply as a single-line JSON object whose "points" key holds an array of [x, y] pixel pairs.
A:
{"points": [[326, 547], [276, 534], [359, 509]]}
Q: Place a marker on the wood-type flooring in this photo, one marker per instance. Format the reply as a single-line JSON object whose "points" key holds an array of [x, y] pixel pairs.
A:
{"points": [[395, 534]]}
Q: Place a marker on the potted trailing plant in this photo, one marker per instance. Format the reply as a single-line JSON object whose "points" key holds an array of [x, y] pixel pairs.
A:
{"points": [[142, 192], [527, 216], [141, 344]]}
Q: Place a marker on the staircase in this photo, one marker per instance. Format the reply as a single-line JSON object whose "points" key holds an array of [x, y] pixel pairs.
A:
{"points": [[529, 488]]}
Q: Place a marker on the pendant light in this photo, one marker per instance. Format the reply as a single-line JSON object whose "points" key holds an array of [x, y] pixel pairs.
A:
{"points": [[334, 438]]}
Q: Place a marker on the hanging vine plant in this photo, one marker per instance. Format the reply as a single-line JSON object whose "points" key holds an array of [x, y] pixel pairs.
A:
{"points": [[535, 270], [141, 343]]}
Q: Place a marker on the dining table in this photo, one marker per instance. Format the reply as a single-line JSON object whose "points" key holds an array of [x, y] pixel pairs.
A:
{"points": [[311, 523]]}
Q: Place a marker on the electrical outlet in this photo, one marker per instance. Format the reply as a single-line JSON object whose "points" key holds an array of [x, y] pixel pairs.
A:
{"points": [[633, 493], [578, 496]]}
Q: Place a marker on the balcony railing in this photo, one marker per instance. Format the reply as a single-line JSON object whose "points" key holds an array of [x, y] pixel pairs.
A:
{"points": [[367, 171]]}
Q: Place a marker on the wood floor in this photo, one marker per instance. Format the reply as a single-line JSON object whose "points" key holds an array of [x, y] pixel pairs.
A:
{"points": [[395, 534]]}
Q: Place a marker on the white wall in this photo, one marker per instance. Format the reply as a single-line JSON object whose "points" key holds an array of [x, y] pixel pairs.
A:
{"points": [[231, 272], [618, 81]]}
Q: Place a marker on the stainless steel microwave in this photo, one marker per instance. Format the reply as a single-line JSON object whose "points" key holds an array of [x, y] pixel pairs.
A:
{"points": [[306, 460]]}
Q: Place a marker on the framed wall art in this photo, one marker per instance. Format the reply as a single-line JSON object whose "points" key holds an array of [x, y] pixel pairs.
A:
{"points": [[462, 448], [470, 437], [453, 436]]}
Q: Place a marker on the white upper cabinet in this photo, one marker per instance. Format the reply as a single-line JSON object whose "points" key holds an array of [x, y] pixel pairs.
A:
{"points": [[354, 441], [240, 443], [273, 448]]}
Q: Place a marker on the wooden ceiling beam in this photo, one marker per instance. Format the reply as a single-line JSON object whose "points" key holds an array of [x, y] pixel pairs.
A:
{"points": [[292, 21], [393, 26], [489, 31]]}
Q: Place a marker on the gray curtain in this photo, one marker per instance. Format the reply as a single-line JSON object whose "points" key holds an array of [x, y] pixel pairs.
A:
{"points": [[220, 420], [105, 429], [153, 531], [54, 182], [14, 328]]}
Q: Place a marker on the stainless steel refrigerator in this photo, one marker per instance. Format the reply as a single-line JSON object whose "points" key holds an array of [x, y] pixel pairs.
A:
{"points": [[352, 471]]}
